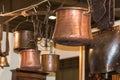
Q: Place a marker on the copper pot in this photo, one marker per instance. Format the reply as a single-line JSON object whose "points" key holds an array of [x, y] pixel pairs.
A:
{"points": [[50, 62], [30, 59], [104, 53], [73, 26], [24, 39]]}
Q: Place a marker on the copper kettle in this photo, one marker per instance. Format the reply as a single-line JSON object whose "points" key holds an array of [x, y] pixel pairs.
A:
{"points": [[73, 26], [104, 53]]}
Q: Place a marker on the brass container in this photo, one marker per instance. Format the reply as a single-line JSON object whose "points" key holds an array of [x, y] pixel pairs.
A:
{"points": [[50, 62], [3, 61], [73, 26], [24, 39], [104, 55], [30, 59]]}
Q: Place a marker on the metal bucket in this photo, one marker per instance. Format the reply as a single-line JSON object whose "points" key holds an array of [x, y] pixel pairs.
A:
{"points": [[104, 55], [73, 26], [30, 59], [24, 39], [50, 62]]}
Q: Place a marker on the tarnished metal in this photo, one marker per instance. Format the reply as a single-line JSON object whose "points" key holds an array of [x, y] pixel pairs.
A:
{"points": [[3, 61], [24, 39], [50, 62], [104, 55], [30, 59], [73, 26]]}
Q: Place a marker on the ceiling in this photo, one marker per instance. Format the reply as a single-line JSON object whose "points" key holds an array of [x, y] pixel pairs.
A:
{"points": [[12, 5]]}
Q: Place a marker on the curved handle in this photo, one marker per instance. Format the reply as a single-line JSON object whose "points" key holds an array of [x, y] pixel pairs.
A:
{"points": [[89, 6], [22, 23]]}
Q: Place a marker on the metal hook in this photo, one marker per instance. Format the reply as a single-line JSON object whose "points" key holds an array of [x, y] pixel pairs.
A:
{"points": [[34, 9]]}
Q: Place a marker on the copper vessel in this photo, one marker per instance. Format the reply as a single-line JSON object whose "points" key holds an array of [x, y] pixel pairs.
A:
{"points": [[3, 61], [73, 26], [104, 55], [30, 59], [24, 39], [50, 62]]}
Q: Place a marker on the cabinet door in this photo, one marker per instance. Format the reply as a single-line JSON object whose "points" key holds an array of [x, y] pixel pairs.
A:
{"points": [[68, 74], [76, 74], [59, 75]]}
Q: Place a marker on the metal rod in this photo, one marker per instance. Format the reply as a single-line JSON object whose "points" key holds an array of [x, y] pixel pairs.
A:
{"points": [[82, 63]]}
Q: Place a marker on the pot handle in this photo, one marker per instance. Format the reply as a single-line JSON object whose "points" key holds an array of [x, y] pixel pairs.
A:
{"points": [[25, 21], [89, 2]]}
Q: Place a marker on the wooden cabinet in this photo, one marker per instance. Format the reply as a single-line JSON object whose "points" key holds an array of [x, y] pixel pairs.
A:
{"points": [[28, 75], [69, 69], [116, 77]]}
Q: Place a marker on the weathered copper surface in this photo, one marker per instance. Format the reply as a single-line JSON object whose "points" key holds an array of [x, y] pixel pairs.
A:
{"points": [[30, 59], [50, 62], [73, 26], [104, 55], [24, 39]]}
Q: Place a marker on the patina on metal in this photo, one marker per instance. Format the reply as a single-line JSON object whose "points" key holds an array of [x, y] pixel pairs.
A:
{"points": [[73, 26], [104, 55]]}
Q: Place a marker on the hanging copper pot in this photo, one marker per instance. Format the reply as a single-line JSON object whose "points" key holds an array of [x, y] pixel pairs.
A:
{"points": [[73, 26], [50, 62], [30, 59], [104, 53], [23, 39]]}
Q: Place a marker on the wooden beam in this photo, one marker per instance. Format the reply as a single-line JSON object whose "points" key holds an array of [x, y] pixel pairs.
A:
{"points": [[82, 63]]}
